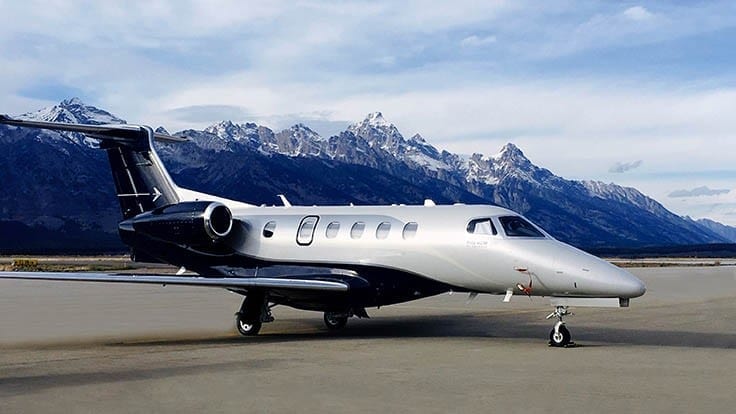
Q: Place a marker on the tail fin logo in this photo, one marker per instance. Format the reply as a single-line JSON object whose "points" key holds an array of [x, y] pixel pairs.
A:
{"points": [[156, 194]]}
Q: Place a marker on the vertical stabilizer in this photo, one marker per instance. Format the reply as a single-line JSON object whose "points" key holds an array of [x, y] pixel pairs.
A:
{"points": [[141, 181]]}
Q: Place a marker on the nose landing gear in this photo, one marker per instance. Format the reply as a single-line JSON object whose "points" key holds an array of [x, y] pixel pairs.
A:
{"points": [[559, 336]]}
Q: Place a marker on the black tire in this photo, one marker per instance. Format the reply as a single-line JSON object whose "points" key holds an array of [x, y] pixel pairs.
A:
{"points": [[247, 328], [560, 339], [335, 322]]}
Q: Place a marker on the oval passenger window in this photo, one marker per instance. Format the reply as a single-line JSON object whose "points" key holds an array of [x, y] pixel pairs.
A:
{"points": [[332, 230], [357, 231], [383, 230], [268, 229], [410, 230]]}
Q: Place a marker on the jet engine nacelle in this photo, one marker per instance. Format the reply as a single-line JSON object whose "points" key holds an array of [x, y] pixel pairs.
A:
{"points": [[192, 223]]}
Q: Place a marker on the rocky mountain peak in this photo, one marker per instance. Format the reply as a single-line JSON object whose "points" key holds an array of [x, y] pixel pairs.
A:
{"points": [[418, 138], [376, 119], [302, 131], [229, 131], [511, 152], [72, 102], [222, 129], [74, 111], [378, 132], [511, 160]]}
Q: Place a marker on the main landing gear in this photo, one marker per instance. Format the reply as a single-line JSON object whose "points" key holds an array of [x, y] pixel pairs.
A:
{"points": [[252, 314], [336, 321], [255, 311], [559, 336]]}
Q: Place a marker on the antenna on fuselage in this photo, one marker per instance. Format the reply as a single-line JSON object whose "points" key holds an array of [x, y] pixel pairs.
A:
{"points": [[284, 200]]}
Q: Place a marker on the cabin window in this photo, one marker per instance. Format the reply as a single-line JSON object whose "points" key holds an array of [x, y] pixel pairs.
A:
{"points": [[515, 226], [382, 230], [482, 226], [356, 231], [332, 230], [305, 234], [268, 229], [410, 230]]}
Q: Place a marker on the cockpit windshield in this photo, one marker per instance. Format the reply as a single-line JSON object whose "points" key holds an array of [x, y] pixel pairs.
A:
{"points": [[515, 226]]}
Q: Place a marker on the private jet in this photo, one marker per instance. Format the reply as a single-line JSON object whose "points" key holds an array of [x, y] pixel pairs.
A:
{"points": [[338, 260]]}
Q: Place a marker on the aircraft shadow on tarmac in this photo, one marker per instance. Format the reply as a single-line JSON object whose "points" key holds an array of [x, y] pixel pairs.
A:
{"points": [[519, 327], [460, 326], [25, 384]]}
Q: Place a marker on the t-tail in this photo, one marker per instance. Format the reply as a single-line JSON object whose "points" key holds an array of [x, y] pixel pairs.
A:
{"points": [[161, 222], [141, 181]]}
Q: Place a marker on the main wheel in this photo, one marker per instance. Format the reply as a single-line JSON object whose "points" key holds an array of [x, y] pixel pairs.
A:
{"points": [[560, 337], [247, 328], [335, 321]]}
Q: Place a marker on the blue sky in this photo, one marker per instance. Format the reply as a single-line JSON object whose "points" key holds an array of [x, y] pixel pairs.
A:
{"points": [[581, 87]]}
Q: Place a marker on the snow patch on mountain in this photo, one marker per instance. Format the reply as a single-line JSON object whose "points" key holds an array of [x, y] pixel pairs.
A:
{"points": [[73, 111], [76, 112], [378, 132], [623, 194]]}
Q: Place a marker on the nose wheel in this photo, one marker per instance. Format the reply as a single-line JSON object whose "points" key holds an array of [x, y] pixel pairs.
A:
{"points": [[560, 336]]}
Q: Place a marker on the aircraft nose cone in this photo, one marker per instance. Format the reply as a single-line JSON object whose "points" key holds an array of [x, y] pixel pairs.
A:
{"points": [[629, 285]]}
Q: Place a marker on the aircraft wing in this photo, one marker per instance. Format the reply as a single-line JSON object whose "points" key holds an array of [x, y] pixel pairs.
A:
{"points": [[113, 132], [224, 282]]}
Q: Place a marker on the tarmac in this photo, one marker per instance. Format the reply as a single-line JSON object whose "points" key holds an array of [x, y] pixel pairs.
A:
{"points": [[85, 347]]}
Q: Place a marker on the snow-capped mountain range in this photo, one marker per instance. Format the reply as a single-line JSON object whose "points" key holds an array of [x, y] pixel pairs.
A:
{"points": [[370, 162]]}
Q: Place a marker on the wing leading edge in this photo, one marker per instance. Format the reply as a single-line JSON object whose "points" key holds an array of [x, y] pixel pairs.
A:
{"points": [[226, 282]]}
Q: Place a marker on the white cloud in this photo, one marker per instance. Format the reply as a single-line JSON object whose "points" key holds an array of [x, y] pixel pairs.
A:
{"points": [[698, 192], [476, 41], [622, 167], [638, 13]]}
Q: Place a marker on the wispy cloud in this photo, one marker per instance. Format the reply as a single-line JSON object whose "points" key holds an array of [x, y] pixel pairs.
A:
{"points": [[198, 114], [638, 13], [698, 192], [622, 167], [477, 41]]}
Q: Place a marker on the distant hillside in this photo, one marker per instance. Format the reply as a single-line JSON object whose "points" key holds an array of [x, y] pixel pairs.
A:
{"points": [[727, 232]]}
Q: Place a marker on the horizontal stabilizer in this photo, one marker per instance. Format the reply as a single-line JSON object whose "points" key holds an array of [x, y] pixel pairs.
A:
{"points": [[113, 132], [226, 283]]}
